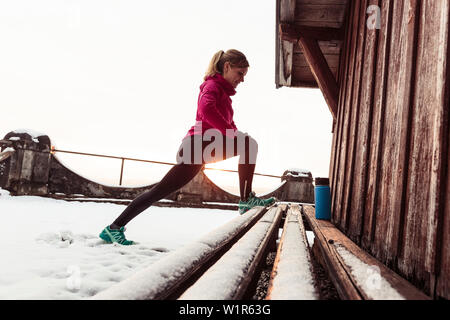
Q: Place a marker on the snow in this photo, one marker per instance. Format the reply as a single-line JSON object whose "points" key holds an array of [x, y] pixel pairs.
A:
{"points": [[368, 277], [160, 276], [299, 170], [310, 236], [229, 271], [296, 172], [51, 249], [294, 279], [32, 133]]}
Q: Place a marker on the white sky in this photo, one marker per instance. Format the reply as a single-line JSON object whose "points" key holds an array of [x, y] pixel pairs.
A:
{"points": [[122, 78]]}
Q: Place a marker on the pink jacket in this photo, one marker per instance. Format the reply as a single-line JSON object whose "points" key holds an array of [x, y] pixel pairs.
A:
{"points": [[214, 108]]}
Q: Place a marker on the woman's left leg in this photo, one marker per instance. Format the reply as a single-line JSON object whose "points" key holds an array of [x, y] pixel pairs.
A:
{"points": [[178, 176]]}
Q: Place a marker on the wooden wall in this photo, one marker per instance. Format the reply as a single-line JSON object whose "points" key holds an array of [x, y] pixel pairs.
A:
{"points": [[390, 157]]}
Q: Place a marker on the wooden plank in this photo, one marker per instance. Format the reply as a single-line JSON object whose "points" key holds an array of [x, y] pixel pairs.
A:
{"points": [[328, 48], [277, 259], [16, 166], [338, 76], [397, 127], [5, 155], [292, 258], [306, 75], [277, 45], [342, 50], [291, 32], [301, 70], [338, 275], [332, 154], [349, 197], [329, 15], [321, 72], [346, 114], [364, 133], [391, 131], [443, 279], [426, 173], [5, 143], [304, 84], [377, 141], [287, 12], [285, 70], [299, 61], [239, 272], [321, 2], [337, 136], [5, 164], [331, 241], [184, 265]]}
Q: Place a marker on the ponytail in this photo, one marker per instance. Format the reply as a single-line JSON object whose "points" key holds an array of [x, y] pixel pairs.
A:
{"points": [[235, 57]]}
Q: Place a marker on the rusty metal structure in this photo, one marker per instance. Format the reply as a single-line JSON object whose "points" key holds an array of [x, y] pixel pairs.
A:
{"points": [[383, 67], [29, 166]]}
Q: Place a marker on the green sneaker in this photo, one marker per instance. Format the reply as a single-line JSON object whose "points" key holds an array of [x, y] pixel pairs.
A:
{"points": [[254, 201], [115, 235]]}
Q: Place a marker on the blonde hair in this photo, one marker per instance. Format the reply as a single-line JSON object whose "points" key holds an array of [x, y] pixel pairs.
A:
{"points": [[233, 56]]}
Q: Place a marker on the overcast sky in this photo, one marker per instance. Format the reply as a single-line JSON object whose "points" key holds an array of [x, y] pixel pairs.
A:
{"points": [[122, 78]]}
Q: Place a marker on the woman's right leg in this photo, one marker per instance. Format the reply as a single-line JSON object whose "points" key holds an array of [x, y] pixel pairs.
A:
{"points": [[176, 178], [247, 149]]}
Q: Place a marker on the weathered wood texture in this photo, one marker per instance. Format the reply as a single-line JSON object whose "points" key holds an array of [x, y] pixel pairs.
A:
{"points": [[290, 278], [315, 17], [390, 158], [320, 13], [285, 49], [322, 73], [331, 241]]}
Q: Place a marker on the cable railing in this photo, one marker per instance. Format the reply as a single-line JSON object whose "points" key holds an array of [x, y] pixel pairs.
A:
{"points": [[54, 150]]}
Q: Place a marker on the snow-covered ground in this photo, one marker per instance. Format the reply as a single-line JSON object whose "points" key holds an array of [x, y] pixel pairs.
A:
{"points": [[51, 249]]}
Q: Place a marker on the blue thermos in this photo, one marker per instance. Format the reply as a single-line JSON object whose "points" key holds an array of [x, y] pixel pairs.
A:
{"points": [[322, 198]]}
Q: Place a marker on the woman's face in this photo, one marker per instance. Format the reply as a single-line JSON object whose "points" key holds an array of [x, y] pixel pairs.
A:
{"points": [[234, 75]]}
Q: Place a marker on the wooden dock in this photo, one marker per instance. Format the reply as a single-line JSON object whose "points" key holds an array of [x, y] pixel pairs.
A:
{"points": [[226, 263]]}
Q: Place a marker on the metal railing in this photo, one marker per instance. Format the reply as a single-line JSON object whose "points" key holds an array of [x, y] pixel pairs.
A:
{"points": [[54, 150]]}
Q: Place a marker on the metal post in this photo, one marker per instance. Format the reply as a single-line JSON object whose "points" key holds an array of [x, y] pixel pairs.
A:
{"points": [[121, 171]]}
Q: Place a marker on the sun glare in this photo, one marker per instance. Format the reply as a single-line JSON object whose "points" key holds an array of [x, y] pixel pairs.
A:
{"points": [[229, 181]]}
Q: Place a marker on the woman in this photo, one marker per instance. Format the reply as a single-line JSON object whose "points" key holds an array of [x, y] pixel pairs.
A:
{"points": [[214, 137]]}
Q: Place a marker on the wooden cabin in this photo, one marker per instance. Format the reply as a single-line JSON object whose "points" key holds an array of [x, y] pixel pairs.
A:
{"points": [[384, 70]]}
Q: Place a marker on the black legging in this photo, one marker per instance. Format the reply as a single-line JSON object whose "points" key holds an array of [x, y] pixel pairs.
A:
{"points": [[184, 171]]}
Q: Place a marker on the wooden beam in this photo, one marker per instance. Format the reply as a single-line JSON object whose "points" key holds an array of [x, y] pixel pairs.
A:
{"points": [[338, 275], [292, 33], [291, 261], [333, 243], [250, 251], [185, 268], [321, 71], [285, 49]]}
